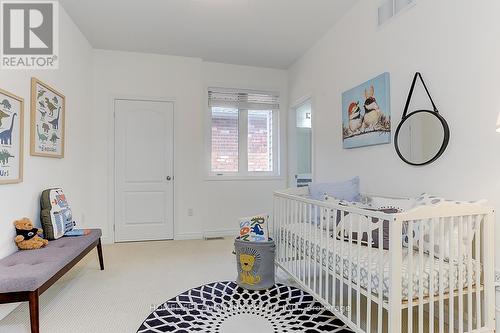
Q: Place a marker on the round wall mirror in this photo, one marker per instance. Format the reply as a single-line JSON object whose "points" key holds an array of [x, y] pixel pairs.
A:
{"points": [[421, 137]]}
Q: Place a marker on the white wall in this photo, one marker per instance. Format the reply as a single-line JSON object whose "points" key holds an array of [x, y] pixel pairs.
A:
{"points": [[73, 80], [454, 43], [216, 204]]}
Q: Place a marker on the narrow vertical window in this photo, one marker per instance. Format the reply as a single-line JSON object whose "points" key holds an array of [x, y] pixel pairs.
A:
{"points": [[260, 140], [225, 139]]}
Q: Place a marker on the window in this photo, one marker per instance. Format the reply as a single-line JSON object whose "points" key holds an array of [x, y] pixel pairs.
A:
{"points": [[260, 140], [243, 133], [225, 139]]}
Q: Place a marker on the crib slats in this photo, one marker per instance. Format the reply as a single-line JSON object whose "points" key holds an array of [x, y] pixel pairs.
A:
{"points": [[432, 227], [358, 275], [302, 262], [294, 224], [477, 251], [369, 298], [327, 264], [309, 246], [395, 275], [306, 241], [334, 258], [295, 220], [341, 261], [460, 285], [321, 247], [441, 275], [349, 268], [315, 253], [291, 235], [287, 232], [451, 311], [284, 231], [470, 239], [420, 279], [452, 294], [410, 274], [380, 251]]}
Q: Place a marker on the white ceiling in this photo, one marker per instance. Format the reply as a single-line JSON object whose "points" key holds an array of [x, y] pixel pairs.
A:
{"points": [[268, 33]]}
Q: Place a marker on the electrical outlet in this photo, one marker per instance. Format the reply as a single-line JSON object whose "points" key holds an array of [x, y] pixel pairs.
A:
{"points": [[190, 212], [497, 278]]}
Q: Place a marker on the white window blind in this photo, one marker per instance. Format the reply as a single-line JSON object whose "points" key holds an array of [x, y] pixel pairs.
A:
{"points": [[246, 99]]}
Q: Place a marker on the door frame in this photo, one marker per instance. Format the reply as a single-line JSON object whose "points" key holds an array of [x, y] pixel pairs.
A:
{"points": [[292, 123], [111, 157]]}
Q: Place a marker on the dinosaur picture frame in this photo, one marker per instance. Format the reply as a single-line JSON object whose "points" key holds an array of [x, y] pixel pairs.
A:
{"points": [[11, 138], [48, 111]]}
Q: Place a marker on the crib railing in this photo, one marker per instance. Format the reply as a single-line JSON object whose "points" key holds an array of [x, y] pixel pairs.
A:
{"points": [[440, 280]]}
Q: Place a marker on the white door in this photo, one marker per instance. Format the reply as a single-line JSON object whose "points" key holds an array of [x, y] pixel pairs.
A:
{"points": [[143, 170]]}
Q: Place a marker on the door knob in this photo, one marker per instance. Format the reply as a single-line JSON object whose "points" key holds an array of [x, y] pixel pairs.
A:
{"points": [[169, 178]]}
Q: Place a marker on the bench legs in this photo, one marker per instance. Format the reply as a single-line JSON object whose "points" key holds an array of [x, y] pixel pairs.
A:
{"points": [[34, 311], [99, 253]]}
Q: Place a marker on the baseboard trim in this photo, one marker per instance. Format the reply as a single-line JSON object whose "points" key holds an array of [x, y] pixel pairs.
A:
{"points": [[188, 236], [208, 233], [222, 233]]}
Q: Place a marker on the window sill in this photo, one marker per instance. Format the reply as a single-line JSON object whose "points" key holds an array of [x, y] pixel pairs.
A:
{"points": [[243, 178]]}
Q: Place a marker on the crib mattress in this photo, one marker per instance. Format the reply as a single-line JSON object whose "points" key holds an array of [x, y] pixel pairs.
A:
{"points": [[337, 259]]}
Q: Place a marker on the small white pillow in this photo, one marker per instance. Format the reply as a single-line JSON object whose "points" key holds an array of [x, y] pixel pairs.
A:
{"points": [[449, 233]]}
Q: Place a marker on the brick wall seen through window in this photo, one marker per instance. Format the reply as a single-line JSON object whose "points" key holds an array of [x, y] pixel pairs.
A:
{"points": [[260, 143], [225, 139]]}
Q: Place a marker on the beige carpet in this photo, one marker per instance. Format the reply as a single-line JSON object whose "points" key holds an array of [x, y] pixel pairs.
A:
{"points": [[138, 276]]}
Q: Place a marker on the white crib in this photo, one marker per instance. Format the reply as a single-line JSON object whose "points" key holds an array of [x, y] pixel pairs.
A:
{"points": [[394, 290]]}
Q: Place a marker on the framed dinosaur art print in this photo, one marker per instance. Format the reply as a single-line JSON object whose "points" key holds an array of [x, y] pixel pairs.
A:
{"points": [[48, 110], [11, 138]]}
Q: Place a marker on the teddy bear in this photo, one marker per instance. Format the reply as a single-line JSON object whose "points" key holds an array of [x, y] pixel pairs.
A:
{"points": [[27, 236]]}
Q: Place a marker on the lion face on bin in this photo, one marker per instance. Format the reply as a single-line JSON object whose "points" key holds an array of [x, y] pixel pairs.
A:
{"points": [[247, 261]]}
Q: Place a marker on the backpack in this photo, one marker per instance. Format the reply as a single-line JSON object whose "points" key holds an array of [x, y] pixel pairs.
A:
{"points": [[55, 215]]}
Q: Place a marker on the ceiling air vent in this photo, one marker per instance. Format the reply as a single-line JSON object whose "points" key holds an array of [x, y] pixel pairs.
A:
{"points": [[391, 8]]}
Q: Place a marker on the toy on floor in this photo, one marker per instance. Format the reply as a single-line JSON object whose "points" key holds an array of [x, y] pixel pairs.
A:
{"points": [[27, 236]]}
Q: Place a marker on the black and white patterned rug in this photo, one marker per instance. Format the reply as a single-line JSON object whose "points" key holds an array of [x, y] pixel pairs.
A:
{"points": [[223, 307]]}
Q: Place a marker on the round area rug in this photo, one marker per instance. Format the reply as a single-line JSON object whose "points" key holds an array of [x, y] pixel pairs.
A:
{"points": [[223, 307]]}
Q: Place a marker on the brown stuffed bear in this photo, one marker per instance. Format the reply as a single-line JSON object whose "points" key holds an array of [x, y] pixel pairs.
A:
{"points": [[28, 236]]}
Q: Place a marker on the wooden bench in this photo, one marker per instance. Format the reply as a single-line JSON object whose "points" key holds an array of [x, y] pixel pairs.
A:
{"points": [[25, 275]]}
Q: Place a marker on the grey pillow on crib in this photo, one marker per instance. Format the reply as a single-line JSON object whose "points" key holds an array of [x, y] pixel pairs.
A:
{"points": [[347, 190]]}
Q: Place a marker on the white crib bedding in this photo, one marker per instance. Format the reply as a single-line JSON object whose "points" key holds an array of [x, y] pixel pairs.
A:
{"points": [[342, 252]]}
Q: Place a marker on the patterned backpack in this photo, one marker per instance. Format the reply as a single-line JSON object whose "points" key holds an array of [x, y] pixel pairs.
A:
{"points": [[55, 214]]}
